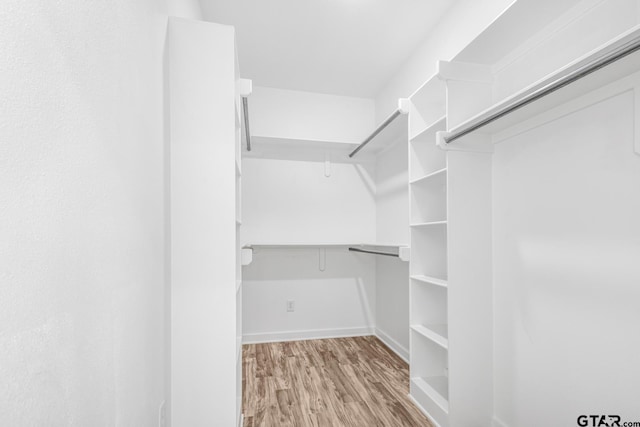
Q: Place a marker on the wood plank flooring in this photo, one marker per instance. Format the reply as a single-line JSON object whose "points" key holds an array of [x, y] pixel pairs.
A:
{"points": [[342, 382]]}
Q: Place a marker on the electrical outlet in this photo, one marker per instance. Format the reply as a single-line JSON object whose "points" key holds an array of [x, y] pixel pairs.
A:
{"points": [[162, 415], [291, 306]]}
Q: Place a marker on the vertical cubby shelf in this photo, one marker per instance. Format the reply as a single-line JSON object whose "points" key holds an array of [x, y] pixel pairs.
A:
{"points": [[429, 329]]}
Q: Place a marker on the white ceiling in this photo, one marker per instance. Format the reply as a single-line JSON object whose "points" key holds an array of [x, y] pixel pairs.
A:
{"points": [[344, 47]]}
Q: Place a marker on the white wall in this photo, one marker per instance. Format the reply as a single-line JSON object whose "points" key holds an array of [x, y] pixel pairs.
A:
{"points": [[293, 201], [81, 212], [190, 9], [392, 226], [305, 115], [566, 273], [286, 201], [340, 300]]}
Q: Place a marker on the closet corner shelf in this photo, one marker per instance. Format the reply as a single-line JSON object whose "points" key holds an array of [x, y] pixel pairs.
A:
{"points": [[428, 176], [299, 149], [431, 280], [429, 131], [436, 388], [429, 224], [320, 245], [435, 333]]}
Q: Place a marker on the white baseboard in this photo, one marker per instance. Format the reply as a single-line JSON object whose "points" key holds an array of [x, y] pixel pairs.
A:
{"points": [[393, 345], [311, 334], [241, 420], [498, 423], [424, 411]]}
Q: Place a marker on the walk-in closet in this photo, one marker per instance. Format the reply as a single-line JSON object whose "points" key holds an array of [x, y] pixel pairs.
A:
{"points": [[347, 213]]}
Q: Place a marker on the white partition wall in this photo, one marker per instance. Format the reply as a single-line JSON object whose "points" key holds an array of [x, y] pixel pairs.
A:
{"points": [[203, 224]]}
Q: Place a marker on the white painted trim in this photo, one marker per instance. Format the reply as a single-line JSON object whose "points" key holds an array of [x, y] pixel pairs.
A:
{"points": [[393, 344], [424, 411], [498, 423], [311, 334], [241, 420]]}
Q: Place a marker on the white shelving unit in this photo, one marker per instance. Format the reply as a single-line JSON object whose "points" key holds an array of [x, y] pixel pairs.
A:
{"points": [[429, 337], [205, 181]]}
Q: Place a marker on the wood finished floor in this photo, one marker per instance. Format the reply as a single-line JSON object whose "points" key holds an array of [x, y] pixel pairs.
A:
{"points": [[342, 382]]}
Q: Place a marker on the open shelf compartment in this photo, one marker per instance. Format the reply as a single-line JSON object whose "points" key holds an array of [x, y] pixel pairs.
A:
{"points": [[429, 251], [429, 199], [428, 104], [429, 385], [424, 155]]}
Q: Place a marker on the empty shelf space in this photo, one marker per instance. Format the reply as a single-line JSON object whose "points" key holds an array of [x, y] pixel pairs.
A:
{"points": [[431, 280], [429, 224], [428, 134], [429, 104], [427, 177], [425, 157], [436, 333], [436, 388]]}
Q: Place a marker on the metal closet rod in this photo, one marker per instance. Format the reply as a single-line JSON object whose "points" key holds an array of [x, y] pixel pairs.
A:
{"points": [[379, 129], [583, 71], [245, 109], [364, 251]]}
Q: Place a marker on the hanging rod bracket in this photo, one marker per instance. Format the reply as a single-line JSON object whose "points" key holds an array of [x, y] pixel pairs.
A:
{"points": [[477, 143]]}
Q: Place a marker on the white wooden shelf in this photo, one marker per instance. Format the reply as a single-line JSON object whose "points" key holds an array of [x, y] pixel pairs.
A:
{"points": [[267, 147], [320, 245], [429, 132], [436, 388], [429, 104], [431, 280], [436, 333], [429, 224], [429, 176], [425, 156], [606, 75]]}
